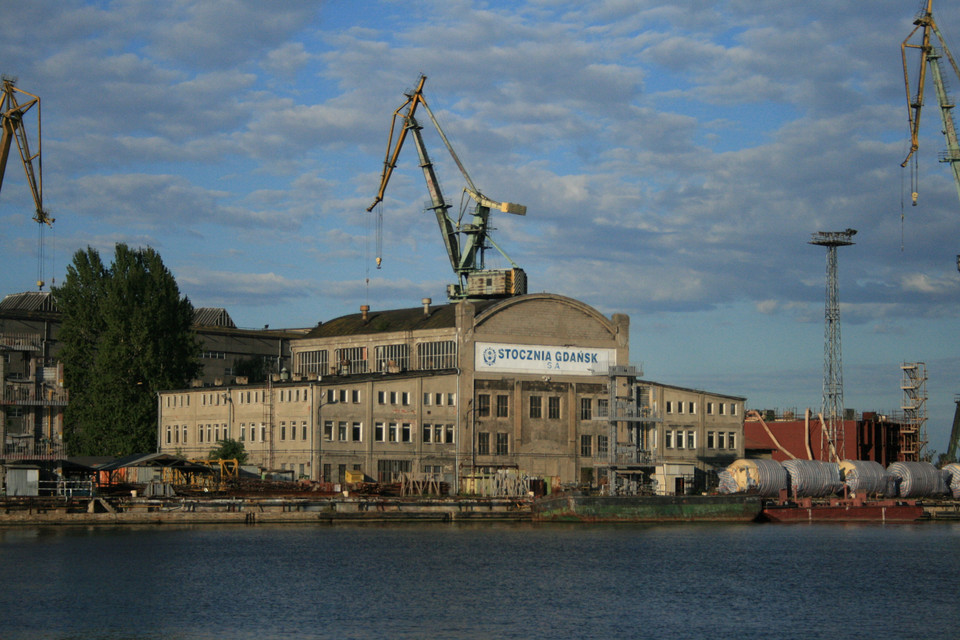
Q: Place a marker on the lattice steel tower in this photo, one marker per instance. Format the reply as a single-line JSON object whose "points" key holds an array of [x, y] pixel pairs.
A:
{"points": [[832, 407]]}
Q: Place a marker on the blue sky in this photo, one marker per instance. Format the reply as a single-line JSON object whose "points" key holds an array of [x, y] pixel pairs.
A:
{"points": [[674, 158]]}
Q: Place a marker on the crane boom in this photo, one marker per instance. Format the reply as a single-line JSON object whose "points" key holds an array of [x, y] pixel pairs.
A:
{"points": [[465, 241], [930, 58]]}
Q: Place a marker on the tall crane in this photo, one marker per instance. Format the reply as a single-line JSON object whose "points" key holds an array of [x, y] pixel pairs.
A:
{"points": [[930, 59], [465, 240], [12, 115]]}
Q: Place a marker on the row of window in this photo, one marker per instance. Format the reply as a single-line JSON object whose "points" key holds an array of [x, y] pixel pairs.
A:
{"points": [[687, 439], [213, 433], [502, 442], [535, 406], [713, 408], [343, 431], [389, 358], [587, 449]]}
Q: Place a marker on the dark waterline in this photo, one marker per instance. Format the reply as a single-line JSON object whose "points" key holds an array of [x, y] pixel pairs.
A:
{"points": [[481, 581]]}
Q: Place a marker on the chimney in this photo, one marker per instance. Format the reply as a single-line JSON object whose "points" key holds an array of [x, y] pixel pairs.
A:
{"points": [[364, 308], [426, 306]]}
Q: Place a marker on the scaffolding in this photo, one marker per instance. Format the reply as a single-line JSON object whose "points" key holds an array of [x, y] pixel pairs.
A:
{"points": [[913, 437], [628, 418]]}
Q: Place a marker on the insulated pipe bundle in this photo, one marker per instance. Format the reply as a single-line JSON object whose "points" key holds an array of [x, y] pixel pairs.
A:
{"points": [[953, 479], [813, 478], [762, 477], [918, 479], [867, 477]]}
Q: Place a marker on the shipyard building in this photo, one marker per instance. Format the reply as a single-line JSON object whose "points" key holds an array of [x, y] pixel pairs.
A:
{"points": [[535, 385]]}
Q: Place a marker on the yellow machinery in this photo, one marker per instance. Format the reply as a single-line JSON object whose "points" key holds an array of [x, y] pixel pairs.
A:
{"points": [[12, 115]]}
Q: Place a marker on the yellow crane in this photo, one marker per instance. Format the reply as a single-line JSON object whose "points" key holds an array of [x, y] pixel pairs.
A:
{"points": [[14, 107]]}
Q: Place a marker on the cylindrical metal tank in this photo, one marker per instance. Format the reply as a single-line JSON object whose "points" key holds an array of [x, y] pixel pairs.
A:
{"points": [[867, 477], [918, 479], [762, 477], [953, 479], [813, 478]]}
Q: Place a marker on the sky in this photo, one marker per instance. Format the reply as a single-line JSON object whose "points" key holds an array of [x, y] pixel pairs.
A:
{"points": [[675, 159]]}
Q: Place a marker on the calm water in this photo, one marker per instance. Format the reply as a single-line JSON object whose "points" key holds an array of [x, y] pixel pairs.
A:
{"points": [[481, 581]]}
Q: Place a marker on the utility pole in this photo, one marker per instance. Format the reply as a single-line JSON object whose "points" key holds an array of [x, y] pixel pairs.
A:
{"points": [[832, 406]]}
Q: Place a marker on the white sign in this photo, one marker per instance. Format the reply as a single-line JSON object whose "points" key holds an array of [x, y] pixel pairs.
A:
{"points": [[529, 358]]}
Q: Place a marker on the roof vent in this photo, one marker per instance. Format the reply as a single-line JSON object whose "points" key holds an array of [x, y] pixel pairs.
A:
{"points": [[364, 309], [426, 306]]}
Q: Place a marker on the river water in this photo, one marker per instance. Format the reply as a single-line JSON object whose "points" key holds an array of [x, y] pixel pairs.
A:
{"points": [[481, 581]]}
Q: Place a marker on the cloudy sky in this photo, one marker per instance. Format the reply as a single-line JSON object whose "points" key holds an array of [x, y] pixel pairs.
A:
{"points": [[674, 157]]}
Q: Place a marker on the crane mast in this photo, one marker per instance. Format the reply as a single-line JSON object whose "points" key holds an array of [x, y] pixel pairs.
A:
{"points": [[930, 59], [12, 115], [464, 240]]}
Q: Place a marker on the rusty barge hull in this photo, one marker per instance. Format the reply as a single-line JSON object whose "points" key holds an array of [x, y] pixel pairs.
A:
{"points": [[880, 511], [652, 509]]}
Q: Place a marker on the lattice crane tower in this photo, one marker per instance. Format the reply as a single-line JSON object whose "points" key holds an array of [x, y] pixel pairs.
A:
{"points": [[832, 407]]}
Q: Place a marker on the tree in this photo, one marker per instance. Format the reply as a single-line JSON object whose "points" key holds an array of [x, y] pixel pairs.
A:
{"points": [[229, 449], [254, 368], [125, 335]]}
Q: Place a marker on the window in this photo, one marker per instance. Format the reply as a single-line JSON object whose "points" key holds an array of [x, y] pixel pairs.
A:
{"points": [[184, 434], [721, 440], [711, 440], [483, 405], [427, 436], [691, 407], [437, 355], [303, 431], [355, 396], [721, 407], [393, 397], [602, 450], [449, 433], [451, 399], [283, 431], [679, 439], [553, 407], [654, 438], [680, 406], [732, 440], [427, 399], [378, 432], [668, 438], [392, 358], [733, 409], [483, 443], [381, 397], [438, 434], [342, 431], [535, 410], [243, 431], [586, 408], [263, 432], [343, 395], [351, 360], [328, 430], [602, 407], [503, 447], [503, 406], [293, 430], [356, 431], [438, 399], [392, 434], [331, 396], [669, 406], [691, 439], [169, 436], [709, 408], [406, 434], [586, 446], [405, 399]]}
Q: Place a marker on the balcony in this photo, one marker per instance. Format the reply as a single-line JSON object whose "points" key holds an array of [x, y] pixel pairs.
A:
{"points": [[25, 394]]}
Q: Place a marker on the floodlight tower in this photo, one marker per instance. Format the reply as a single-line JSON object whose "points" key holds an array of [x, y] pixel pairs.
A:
{"points": [[832, 407]]}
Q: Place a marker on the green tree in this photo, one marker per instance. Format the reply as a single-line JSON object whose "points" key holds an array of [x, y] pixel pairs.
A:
{"points": [[254, 368], [229, 449], [125, 335]]}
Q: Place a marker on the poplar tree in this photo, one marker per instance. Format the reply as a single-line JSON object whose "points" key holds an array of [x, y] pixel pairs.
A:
{"points": [[125, 335]]}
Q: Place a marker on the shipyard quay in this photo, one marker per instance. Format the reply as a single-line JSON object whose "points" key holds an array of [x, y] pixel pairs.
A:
{"points": [[537, 384]]}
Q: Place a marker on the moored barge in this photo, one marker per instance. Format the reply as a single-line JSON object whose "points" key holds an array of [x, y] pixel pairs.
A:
{"points": [[841, 510]]}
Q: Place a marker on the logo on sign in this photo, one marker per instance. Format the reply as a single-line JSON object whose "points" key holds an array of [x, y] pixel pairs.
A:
{"points": [[489, 356]]}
